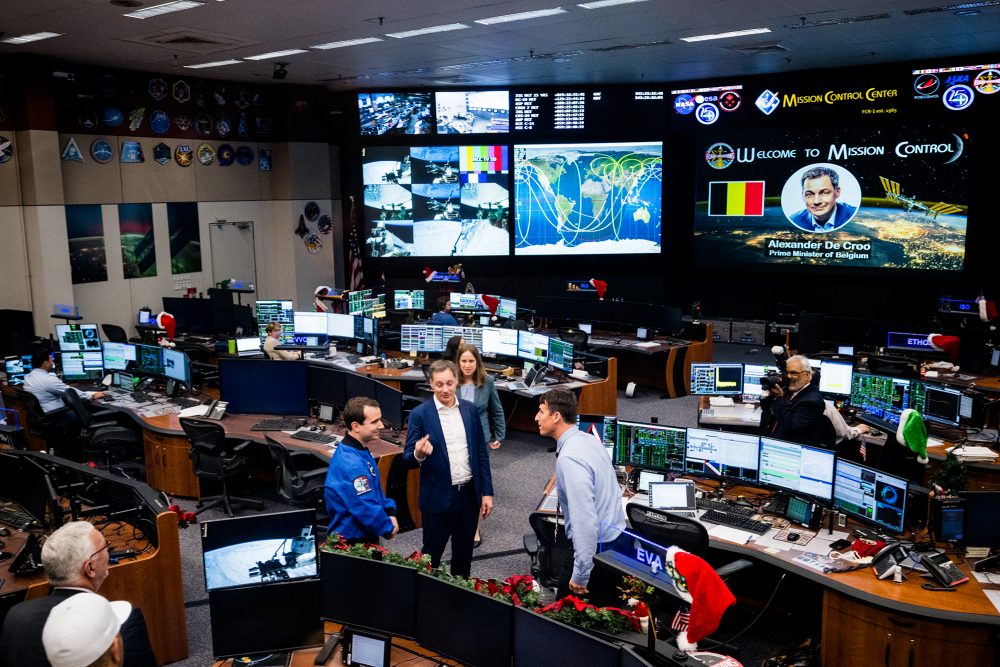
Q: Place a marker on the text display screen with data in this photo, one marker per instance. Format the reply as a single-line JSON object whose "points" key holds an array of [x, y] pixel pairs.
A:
{"points": [[720, 454], [500, 341], [650, 446], [715, 379], [797, 468], [870, 494]]}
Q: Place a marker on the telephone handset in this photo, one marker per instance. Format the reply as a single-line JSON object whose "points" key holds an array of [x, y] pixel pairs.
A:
{"points": [[216, 410], [943, 570], [885, 561]]}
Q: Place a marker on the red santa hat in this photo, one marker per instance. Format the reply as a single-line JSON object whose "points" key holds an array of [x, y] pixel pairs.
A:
{"points": [[697, 583], [167, 322], [601, 287], [492, 303], [987, 309], [947, 344]]}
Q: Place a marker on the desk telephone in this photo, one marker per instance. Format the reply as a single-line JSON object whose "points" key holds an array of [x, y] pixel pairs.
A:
{"points": [[216, 410], [884, 563], [943, 570]]}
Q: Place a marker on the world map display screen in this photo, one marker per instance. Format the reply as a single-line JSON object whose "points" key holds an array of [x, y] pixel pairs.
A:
{"points": [[875, 197], [587, 198]]}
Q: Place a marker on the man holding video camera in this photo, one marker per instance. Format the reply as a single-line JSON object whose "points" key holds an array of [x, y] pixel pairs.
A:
{"points": [[792, 408]]}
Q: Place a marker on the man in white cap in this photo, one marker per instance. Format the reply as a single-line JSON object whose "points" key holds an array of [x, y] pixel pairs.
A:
{"points": [[83, 631], [75, 558]]}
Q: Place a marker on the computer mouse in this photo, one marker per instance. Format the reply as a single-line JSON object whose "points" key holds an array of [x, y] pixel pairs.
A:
{"points": [[793, 537]]}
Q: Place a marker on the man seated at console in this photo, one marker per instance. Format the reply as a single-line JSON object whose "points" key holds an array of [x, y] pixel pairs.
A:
{"points": [[49, 388], [793, 410], [443, 316], [75, 558]]}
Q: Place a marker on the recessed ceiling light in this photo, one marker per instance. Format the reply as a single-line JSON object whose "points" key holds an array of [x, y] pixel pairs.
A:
{"points": [[126, 3], [598, 4], [427, 31], [346, 42], [521, 16], [165, 8], [275, 54], [217, 63], [33, 37], [726, 35]]}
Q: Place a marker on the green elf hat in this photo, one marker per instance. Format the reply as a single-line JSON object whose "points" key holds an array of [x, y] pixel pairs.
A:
{"points": [[912, 433]]}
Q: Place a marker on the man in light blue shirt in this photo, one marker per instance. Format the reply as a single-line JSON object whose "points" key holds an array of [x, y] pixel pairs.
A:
{"points": [[589, 496], [47, 387]]}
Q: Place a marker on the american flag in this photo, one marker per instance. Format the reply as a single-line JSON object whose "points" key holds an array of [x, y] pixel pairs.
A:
{"points": [[863, 449], [681, 620], [356, 277]]}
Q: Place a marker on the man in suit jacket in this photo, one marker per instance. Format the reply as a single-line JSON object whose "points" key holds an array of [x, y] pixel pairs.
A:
{"points": [[75, 558], [445, 439], [820, 192], [795, 413]]}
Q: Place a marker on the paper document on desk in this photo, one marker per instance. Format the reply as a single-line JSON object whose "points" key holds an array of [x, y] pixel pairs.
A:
{"points": [[973, 453], [994, 597], [194, 411], [647, 343], [733, 413], [730, 534]]}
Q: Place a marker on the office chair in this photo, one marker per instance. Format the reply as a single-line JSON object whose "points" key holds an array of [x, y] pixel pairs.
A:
{"points": [[215, 457], [577, 337], [548, 546], [300, 474], [107, 441], [114, 333], [51, 427]]}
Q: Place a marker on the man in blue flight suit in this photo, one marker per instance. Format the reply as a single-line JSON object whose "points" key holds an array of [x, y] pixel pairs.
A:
{"points": [[358, 508]]}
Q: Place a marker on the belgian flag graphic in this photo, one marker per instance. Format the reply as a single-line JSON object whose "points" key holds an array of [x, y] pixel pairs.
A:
{"points": [[736, 198]]}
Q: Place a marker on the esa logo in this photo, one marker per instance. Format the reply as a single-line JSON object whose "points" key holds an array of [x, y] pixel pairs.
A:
{"points": [[958, 97]]}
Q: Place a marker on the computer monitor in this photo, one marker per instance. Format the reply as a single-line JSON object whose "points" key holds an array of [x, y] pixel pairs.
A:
{"points": [[870, 495], [24, 481], [886, 397], [500, 342], [650, 446], [560, 354], [716, 379], [16, 368], [533, 347], [359, 385], [356, 301], [259, 549], [347, 580], [408, 299], [507, 308], [78, 338], [800, 469], [721, 454], [459, 614], [247, 346], [602, 427], [339, 325], [982, 518], [191, 315], [149, 359], [752, 373], [390, 401], [276, 618], [327, 385], [177, 366], [647, 477], [544, 641], [263, 386], [467, 302], [942, 405], [145, 318], [421, 338], [275, 310], [630, 657], [471, 335], [835, 377], [82, 365], [118, 356], [309, 323]]}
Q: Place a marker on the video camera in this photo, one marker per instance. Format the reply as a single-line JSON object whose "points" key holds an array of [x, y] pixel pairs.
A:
{"points": [[776, 378]]}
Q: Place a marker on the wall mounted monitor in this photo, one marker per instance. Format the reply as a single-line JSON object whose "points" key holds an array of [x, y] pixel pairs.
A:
{"points": [[533, 347], [650, 446], [78, 338], [177, 366], [408, 299], [436, 201], [82, 365], [253, 386], [501, 342], [887, 196], [473, 112], [796, 468], [259, 549], [721, 454], [588, 199], [870, 495], [835, 377], [717, 379], [942, 405], [394, 113]]}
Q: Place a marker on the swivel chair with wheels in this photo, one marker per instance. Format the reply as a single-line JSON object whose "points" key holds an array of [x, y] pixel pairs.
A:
{"points": [[548, 546], [577, 337], [216, 457], [102, 434], [114, 333], [51, 427], [300, 474]]}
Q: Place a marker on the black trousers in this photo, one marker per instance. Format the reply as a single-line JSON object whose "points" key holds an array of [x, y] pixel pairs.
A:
{"points": [[457, 523], [602, 589]]}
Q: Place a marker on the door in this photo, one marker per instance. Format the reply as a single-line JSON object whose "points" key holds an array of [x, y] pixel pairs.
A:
{"points": [[233, 255]]}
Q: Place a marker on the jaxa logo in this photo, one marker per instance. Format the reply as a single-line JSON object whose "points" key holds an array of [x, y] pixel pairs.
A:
{"points": [[956, 78], [650, 558]]}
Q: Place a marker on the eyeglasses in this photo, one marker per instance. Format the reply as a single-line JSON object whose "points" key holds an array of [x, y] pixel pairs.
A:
{"points": [[107, 545], [796, 373]]}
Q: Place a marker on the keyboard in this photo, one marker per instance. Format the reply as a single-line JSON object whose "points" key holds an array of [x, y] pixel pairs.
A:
{"points": [[12, 515], [736, 521], [185, 402], [313, 436], [723, 506], [496, 368], [284, 424], [877, 422]]}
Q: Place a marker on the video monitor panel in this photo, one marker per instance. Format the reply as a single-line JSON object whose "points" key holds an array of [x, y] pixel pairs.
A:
{"points": [[871, 495], [650, 446], [241, 383], [78, 338], [17, 367], [339, 325], [533, 346], [436, 201], [394, 113], [877, 197], [458, 615], [408, 299], [560, 354], [500, 341], [721, 454], [177, 366], [507, 309], [942, 405], [717, 379], [421, 338], [276, 310], [82, 365], [347, 579], [543, 641], [835, 377], [309, 323], [602, 427], [886, 397], [982, 518], [797, 468], [588, 199], [327, 385], [752, 373], [149, 359], [473, 112], [236, 633]]}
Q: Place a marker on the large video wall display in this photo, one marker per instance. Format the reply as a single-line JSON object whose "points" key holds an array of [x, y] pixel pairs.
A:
{"points": [[588, 198], [432, 201], [885, 197]]}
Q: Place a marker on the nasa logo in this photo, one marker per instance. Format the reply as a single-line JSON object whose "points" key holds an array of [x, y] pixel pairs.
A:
{"points": [[958, 97], [926, 84], [767, 102], [707, 113], [684, 104], [730, 100], [956, 78], [720, 155]]}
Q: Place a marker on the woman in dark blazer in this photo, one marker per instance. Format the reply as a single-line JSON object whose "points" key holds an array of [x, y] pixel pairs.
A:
{"points": [[475, 386]]}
